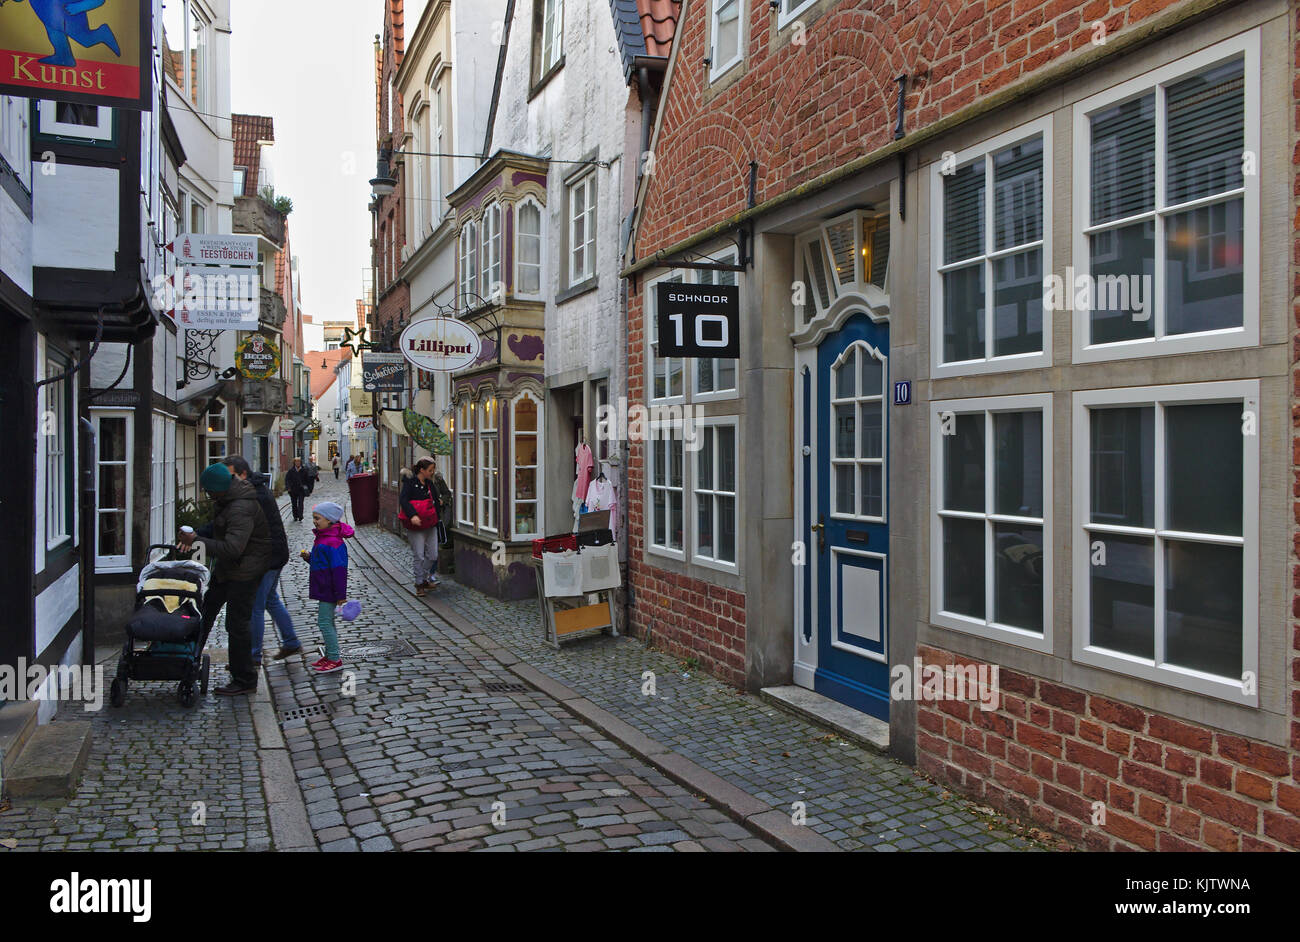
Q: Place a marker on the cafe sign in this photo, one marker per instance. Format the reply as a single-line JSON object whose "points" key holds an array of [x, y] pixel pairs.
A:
{"points": [[383, 372], [256, 357], [440, 344]]}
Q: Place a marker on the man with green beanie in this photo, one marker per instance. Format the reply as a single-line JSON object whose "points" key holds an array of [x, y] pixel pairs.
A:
{"points": [[240, 548]]}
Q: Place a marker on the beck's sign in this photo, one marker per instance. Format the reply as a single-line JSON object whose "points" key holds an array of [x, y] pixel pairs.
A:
{"points": [[697, 321], [440, 344], [383, 372], [93, 52]]}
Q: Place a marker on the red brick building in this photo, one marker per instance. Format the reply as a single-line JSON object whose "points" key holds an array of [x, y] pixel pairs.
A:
{"points": [[933, 452]]}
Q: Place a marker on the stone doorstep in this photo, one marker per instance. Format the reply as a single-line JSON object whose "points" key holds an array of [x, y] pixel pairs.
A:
{"points": [[17, 724], [822, 711], [51, 762]]}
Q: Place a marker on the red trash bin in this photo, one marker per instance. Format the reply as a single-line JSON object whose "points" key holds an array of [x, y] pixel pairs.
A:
{"points": [[364, 491]]}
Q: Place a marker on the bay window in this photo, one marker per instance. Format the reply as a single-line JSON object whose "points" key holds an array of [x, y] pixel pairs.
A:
{"points": [[465, 464], [468, 266], [528, 248], [490, 254], [488, 480]]}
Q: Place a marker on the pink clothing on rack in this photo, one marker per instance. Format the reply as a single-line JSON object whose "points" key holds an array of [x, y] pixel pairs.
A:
{"points": [[583, 455]]}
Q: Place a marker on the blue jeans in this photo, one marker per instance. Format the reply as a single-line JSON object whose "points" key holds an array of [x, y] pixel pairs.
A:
{"points": [[266, 600]]}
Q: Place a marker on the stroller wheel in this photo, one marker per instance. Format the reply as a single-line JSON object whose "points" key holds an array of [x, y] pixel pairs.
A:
{"points": [[117, 692], [185, 691], [203, 676]]}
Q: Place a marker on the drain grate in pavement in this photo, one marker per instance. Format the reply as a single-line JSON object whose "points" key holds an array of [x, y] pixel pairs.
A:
{"points": [[373, 649], [301, 713], [506, 688]]}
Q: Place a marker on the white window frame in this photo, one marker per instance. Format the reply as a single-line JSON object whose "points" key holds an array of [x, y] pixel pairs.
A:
{"points": [[987, 627], [240, 183], [691, 486], [1041, 127], [55, 447], [587, 185], [16, 138], [115, 562], [552, 41], [789, 10], [538, 469], [729, 392], [489, 475], [49, 124], [652, 347], [716, 68], [467, 462], [666, 432], [541, 255], [162, 477], [1149, 669], [1247, 46], [490, 250], [435, 177], [468, 264], [864, 349]]}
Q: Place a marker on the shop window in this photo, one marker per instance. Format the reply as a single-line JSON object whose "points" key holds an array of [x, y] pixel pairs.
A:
{"points": [[465, 464], [990, 242], [525, 499], [991, 532], [1169, 208], [715, 494], [488, 466], [113, 436], [1166, 556]]}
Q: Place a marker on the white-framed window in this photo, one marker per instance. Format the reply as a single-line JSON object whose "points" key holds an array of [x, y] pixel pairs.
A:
{"points": [[67, 119], [528, 248], [790, 9], [468, 265], [551, 41], [989, 245], [525, 458], [715, 524], [667, 478], [113, 444], [1167, 202], [667, 374], [185, 50], [162, 480], [435, 140], [16, 138], [727, 32], [198, 214], [490, 252], [56, 434], [241, 178], [858, 433], [991, 522], [465, 450], [582, 229], [1166, 542], [418, 199], [715, 377], [216, 431], [488, 466]]}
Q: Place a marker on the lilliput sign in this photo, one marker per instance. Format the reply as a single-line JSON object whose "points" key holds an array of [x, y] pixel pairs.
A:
{"points": [[440, 344], [257, 357]]}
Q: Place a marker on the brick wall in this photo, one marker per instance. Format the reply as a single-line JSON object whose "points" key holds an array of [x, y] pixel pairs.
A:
{"points": [[1048, 752]]}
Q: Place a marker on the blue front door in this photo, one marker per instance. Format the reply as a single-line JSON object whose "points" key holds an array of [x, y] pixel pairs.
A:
{"points": [[851, 529]]}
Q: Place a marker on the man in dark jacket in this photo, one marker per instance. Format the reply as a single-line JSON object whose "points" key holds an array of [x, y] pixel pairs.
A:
{"points": [[267, 600], [295, 482], [239, 552]]}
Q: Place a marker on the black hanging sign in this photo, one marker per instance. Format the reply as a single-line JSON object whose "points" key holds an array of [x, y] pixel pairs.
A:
{"points": [[697, 321]]}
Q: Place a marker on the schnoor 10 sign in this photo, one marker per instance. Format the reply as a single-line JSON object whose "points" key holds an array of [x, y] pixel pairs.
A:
{"points": [[440, 344], [697, 321]]}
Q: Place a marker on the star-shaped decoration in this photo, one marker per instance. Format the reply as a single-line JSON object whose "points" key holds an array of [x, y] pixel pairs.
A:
{"points": [[355, 345]]}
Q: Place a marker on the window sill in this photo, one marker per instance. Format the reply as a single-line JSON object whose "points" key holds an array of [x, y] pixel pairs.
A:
{"points": [[579, 289], [1007, 364], [543, 80], [1006, 634]]}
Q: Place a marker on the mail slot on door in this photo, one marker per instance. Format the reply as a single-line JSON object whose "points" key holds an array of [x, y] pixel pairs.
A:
{"points": [[858, 536]]}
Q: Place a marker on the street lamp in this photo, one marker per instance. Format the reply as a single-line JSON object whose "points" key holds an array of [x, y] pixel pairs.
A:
{"points": [[384, 182]]}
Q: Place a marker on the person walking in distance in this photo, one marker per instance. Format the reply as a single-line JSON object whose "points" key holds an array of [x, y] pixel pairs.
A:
{"points": [[335, 462], [295, 482], [417, 508], [240, 546], [267, 600], [313, 475], [329, 577]]}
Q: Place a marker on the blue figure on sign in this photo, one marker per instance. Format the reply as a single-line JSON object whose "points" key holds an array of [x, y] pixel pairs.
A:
{"points": [[64, 21]]}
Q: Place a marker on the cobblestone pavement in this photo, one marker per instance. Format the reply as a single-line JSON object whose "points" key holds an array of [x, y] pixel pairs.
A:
{"points": [[152, 762], [854, 797], [424, 746]]}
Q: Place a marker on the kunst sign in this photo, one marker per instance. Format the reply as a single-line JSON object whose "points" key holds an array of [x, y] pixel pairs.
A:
{"points": [[92, 52], [440, 344]]}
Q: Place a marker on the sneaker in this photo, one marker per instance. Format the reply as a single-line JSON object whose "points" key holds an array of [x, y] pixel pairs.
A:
{"points": [[286, 652], [326, 666]]}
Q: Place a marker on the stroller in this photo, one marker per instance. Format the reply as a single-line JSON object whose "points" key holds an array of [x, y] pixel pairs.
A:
{"points": [[168, 620]]}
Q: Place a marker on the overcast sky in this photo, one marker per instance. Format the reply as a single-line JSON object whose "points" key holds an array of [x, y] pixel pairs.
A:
{"points": [[310, 66]]}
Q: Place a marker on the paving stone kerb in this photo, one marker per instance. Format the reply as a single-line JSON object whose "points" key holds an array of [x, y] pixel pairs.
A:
{"points": [[855, 798]]}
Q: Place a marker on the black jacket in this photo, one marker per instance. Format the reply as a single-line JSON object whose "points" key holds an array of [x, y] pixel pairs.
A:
{"points": [[279, 542], [241, 541], [295, 481], [414, 489]]}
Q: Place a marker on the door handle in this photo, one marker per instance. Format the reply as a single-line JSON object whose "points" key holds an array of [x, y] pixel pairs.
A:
{"points": [[820, 529]]}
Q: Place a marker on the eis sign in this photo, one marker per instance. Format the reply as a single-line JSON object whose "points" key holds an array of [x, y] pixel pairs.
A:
{"points": [[92, 52], [697, 321]]}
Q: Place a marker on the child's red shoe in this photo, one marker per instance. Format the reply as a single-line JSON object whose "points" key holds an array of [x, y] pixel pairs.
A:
{"points": [[326, 666]]}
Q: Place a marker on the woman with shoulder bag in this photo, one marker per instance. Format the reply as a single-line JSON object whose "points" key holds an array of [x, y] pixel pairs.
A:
{"points": [[417, 508]]}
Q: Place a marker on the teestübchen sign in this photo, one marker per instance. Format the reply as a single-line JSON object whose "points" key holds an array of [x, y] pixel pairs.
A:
{"points": [[202, 248], [440, 344], [696, 321], [383, 372]]}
